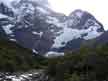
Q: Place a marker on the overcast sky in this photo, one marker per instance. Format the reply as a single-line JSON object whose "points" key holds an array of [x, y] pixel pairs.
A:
{"points": [[99, 8]]}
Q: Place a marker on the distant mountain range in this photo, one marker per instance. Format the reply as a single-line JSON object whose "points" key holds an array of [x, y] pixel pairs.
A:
{"points": [[35, 26]]}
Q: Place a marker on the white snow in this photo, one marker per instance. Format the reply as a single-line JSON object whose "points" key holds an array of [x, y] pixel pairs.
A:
{"points": [[92, 34], [70, 34], [3, 16], [24, 76], [21, 77], [55, 21], [16, 79], [67, 35], [10, 76], [36, 33], [53, 54], [34, 51], [7, 29], [42, 10], [13, 40]]}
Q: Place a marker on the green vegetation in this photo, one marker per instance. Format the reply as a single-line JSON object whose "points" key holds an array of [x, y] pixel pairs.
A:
{"points": [[85, 64], [16, 58]]}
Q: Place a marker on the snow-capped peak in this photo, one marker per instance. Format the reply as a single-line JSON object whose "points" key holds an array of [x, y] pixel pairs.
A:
{"points": [[79, 23], [79, 13], [35, 26]]}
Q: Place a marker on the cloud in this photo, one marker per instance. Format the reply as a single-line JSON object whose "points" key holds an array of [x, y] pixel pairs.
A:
{"points": [[96, 7]]}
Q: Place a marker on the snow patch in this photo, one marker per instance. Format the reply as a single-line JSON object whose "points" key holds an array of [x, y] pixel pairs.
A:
{"points": [[55, 21], [70, 34], [53, 54], [3, 16], [36, 33], [22, 77], [7, 29], [14, 40], [42, 10], [92, 34], [34, 51]]}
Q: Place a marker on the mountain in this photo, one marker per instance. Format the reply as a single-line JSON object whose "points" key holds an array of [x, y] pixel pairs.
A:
{"points": [[102, 39], [33, 25], [77, 43]]}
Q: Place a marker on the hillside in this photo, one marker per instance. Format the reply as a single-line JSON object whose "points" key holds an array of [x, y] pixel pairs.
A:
{"points": [[84, 64], [35, 26], [16, 58]]}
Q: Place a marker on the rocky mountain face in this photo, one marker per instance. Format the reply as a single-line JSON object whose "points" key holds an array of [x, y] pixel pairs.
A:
{"points": [[103, 38], [32, 24]]}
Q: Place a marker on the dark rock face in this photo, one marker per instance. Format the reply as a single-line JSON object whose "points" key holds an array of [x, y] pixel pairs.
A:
{"points": [[83, 20], [103, 38], [37, 27], [5, 10], [2, 33]]}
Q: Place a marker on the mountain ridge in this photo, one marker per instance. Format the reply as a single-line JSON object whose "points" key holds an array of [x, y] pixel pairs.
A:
{"points": [[39, 28]]}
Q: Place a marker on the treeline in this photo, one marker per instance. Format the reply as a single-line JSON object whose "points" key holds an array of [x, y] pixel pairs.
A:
{"points": [[85, 64], [16, 58]]}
